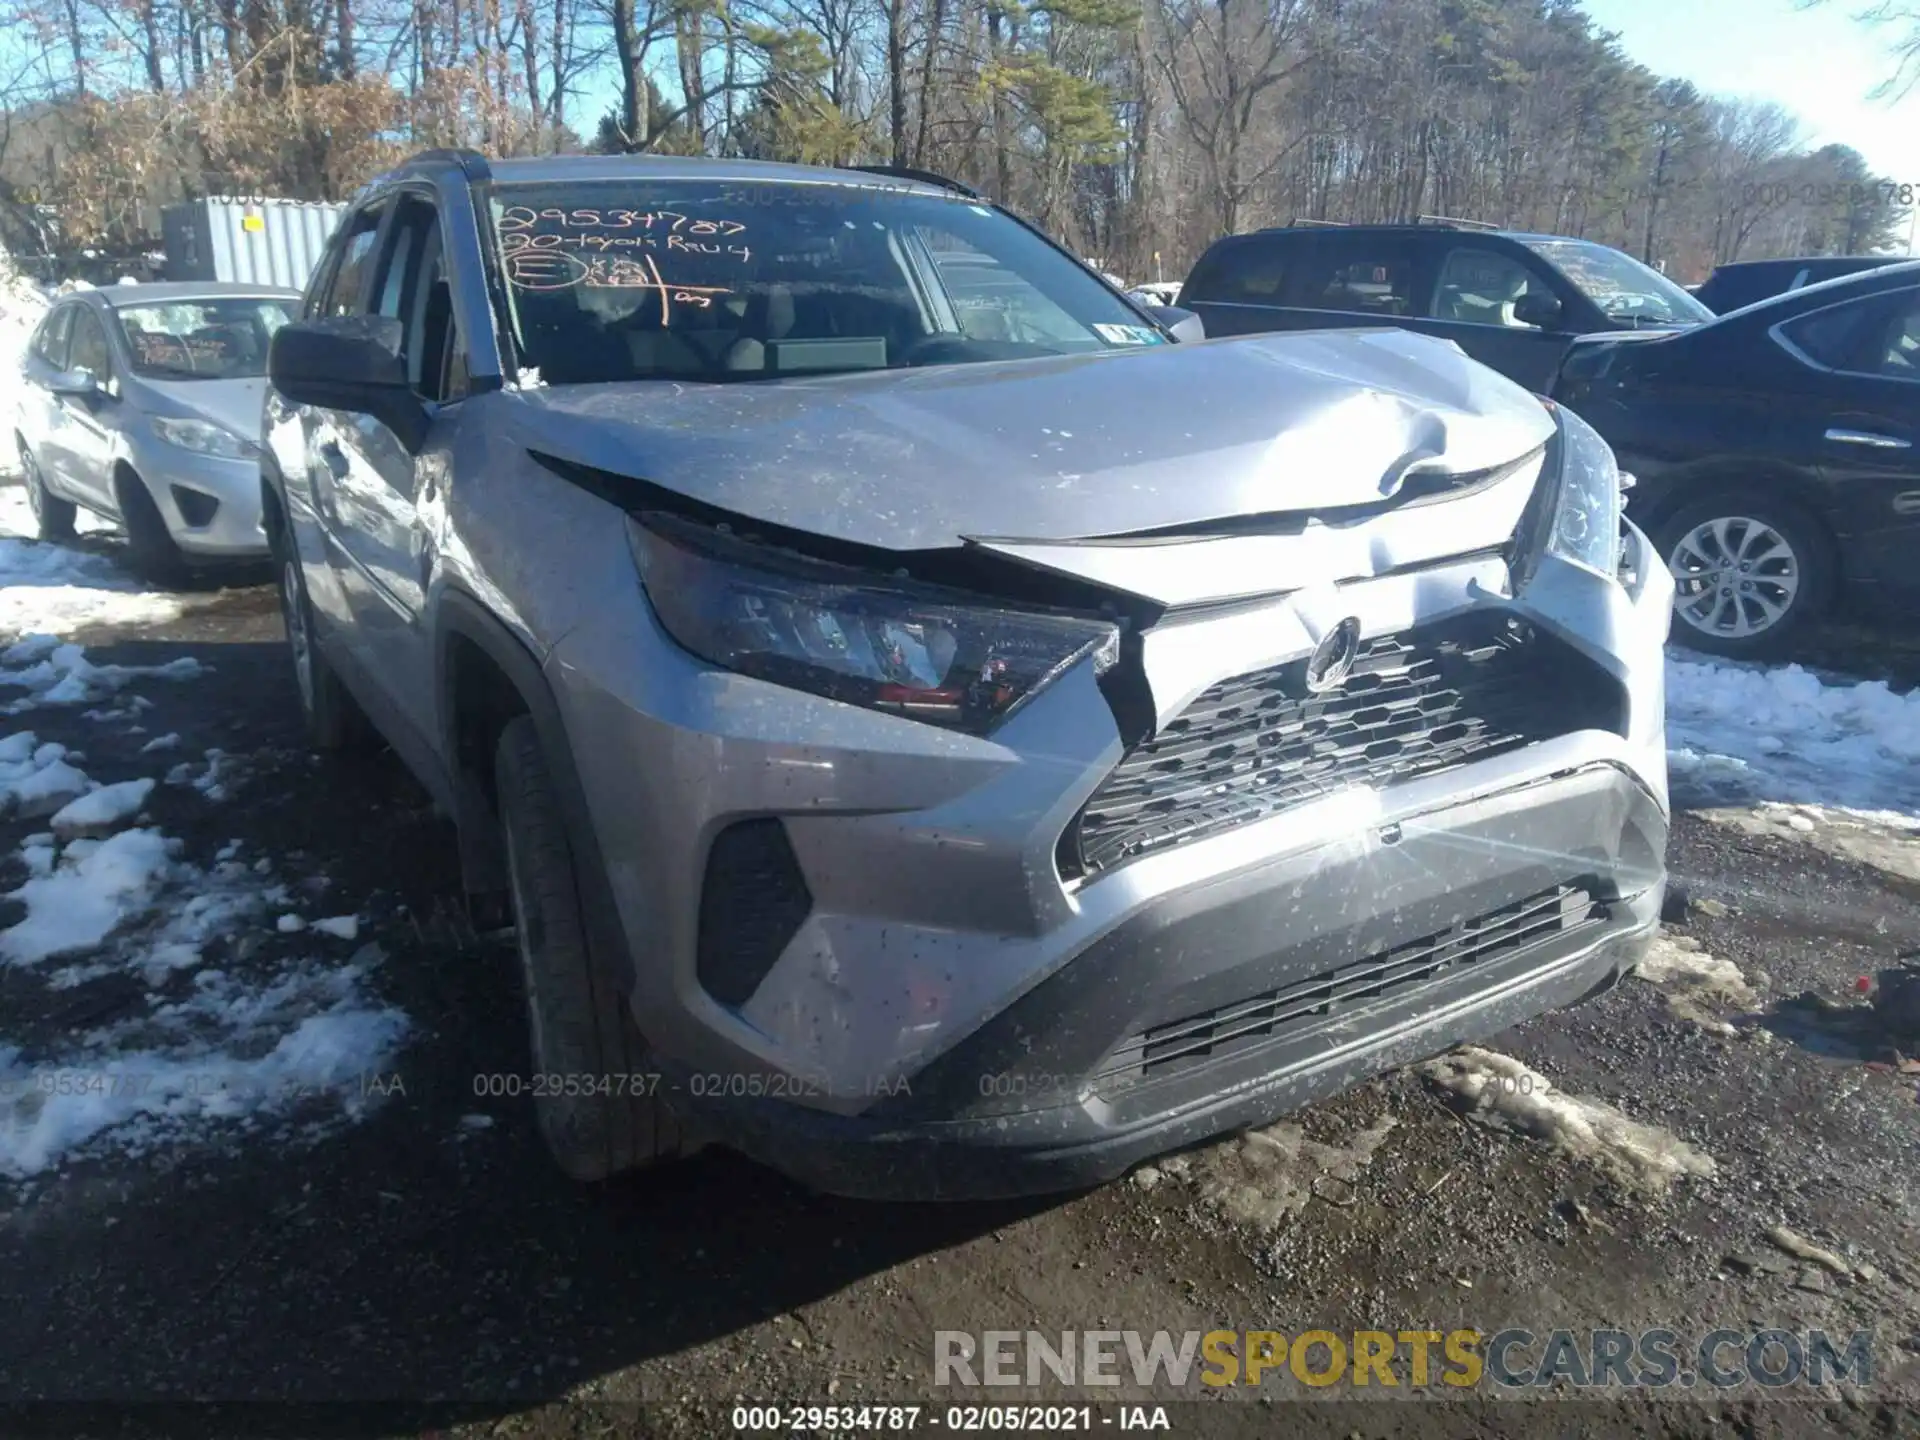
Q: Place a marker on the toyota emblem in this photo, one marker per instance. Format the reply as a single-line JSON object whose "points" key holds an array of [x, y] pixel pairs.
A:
{"points": [[1333, 657]]}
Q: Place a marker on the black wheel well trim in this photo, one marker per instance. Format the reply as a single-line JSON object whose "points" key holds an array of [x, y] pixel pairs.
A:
{"points": [[1776, 480], [1765, 480], [462, 620]]}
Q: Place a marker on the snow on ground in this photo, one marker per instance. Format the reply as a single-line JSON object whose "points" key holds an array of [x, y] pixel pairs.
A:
{"points": [[1505, 1094], [1742, 734], [1261, 1177], [231, 1041], [53, 673], [1698, 986], [56, 588]]}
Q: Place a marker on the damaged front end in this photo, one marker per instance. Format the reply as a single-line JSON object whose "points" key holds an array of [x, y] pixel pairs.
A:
{"points": [[1074, 849]]}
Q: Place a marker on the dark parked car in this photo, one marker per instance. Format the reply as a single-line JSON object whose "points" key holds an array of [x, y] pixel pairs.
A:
{"points": [[1777, 453], [1510, 300], [1748, 282]]}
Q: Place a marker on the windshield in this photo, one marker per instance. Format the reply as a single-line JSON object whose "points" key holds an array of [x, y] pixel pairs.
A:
{"points": [[216, 339], [626, 280], [1625, 290]]}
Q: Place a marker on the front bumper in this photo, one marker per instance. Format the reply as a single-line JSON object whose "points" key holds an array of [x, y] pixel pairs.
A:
{"points": [[211, 505], [944, 1014], [1050, 1095]]}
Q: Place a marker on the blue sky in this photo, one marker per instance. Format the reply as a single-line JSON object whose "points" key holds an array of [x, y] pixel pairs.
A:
{"points": [[1819, 64]]}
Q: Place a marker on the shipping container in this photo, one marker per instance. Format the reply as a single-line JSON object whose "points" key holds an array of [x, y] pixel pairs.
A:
{"points": [[261, 241]]}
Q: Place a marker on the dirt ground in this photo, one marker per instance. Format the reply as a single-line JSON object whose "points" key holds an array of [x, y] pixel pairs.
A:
{"points": [[411, 1261]]}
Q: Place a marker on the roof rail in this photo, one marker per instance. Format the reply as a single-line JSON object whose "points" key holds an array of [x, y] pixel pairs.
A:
{"points": [[1302, 222], [925, 177], [1452, 222], [471, 162]]}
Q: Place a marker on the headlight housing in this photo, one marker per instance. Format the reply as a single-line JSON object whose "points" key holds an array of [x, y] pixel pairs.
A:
{"points": [[203, 437], [1586, 516], [930, 654]]}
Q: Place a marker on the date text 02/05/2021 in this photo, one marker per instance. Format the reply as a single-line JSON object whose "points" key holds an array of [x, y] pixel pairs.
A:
{"points": [[1030, 1419]]}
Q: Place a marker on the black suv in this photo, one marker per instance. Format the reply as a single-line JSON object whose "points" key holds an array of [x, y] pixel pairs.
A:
{"points": [[1747, 282], [1510, 300]]}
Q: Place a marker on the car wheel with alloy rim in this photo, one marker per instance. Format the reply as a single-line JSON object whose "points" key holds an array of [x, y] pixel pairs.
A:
{"points": [[1748, 572], [52, 517]]}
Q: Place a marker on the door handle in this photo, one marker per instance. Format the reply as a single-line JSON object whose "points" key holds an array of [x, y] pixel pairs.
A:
{"points": [[1869, 438]]}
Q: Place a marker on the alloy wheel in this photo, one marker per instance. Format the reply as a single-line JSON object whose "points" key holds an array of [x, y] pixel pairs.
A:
{"points": [[1734, 577]]}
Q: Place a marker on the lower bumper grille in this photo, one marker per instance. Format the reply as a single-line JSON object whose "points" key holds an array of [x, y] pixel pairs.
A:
{"points": [[1415, 703], [1216, 1034]]}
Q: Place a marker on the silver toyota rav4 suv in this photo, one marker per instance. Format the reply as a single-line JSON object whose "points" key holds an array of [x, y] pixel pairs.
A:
{"points": [[933, 726]]}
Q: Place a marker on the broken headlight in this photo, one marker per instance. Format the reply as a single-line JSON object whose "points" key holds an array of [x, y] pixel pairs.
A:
{"points": [[929, 654], [1586, 519]]}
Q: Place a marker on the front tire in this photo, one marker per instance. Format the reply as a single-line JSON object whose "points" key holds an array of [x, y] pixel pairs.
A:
{"points": [[583, 1039], [148, 542], [335, 721], [52, 517], [1749, 573]]}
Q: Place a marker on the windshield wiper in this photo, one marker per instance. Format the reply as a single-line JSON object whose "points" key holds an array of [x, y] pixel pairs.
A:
{"points": [[190, 374]]}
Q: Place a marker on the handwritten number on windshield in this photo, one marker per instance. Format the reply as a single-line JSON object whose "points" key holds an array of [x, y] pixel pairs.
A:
{"points": [[525, 217]]}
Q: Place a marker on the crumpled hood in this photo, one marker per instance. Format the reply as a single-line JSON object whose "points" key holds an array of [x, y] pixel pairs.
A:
{"points": [[1060, 449]]}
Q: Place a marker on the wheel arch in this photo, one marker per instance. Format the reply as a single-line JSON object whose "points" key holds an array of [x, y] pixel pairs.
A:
{"points": [[485, 676], [1753, 475]]}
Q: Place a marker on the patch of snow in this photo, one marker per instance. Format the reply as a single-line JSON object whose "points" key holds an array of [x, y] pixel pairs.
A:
{"points": [[344, 927], [62, 674], [1261, 1177], [1696, 984], [476, 1122], [1746, 734], [1505, 1094], [37, 779], [290, 925], [84, 899], [103, 810], [159, 743], [242, 1047], [44, 585]]}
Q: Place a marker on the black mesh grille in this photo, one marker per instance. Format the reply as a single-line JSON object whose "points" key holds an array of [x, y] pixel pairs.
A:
{"points": [[1215, 1034], [753, 902], [1415, 703]]}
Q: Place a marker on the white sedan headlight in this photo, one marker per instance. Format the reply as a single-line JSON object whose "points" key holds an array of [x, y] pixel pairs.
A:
{"points": [[1586, 521], [203, 437]]}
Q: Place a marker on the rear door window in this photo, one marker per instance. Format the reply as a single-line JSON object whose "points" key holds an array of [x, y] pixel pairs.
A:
{"points": [[1896, 350], [1837, 338], [1242, 273], [1366, 275]]}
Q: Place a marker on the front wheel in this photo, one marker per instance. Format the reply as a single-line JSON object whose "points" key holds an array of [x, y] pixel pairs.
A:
{"points": [[597, 1105], [148, 540], [1748, 573], [335, 721], [52, 517]]}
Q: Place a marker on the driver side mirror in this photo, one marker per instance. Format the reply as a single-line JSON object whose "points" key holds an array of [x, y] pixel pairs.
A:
{"points": [[1539, 309], [352, 363], [77, 384], [1185, 325]]}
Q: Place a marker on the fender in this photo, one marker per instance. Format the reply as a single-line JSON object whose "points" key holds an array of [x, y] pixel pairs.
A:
{"points": [[482, 857]]}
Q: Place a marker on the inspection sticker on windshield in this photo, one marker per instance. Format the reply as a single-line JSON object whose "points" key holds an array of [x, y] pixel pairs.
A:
{"points": [[1129, 334]]}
